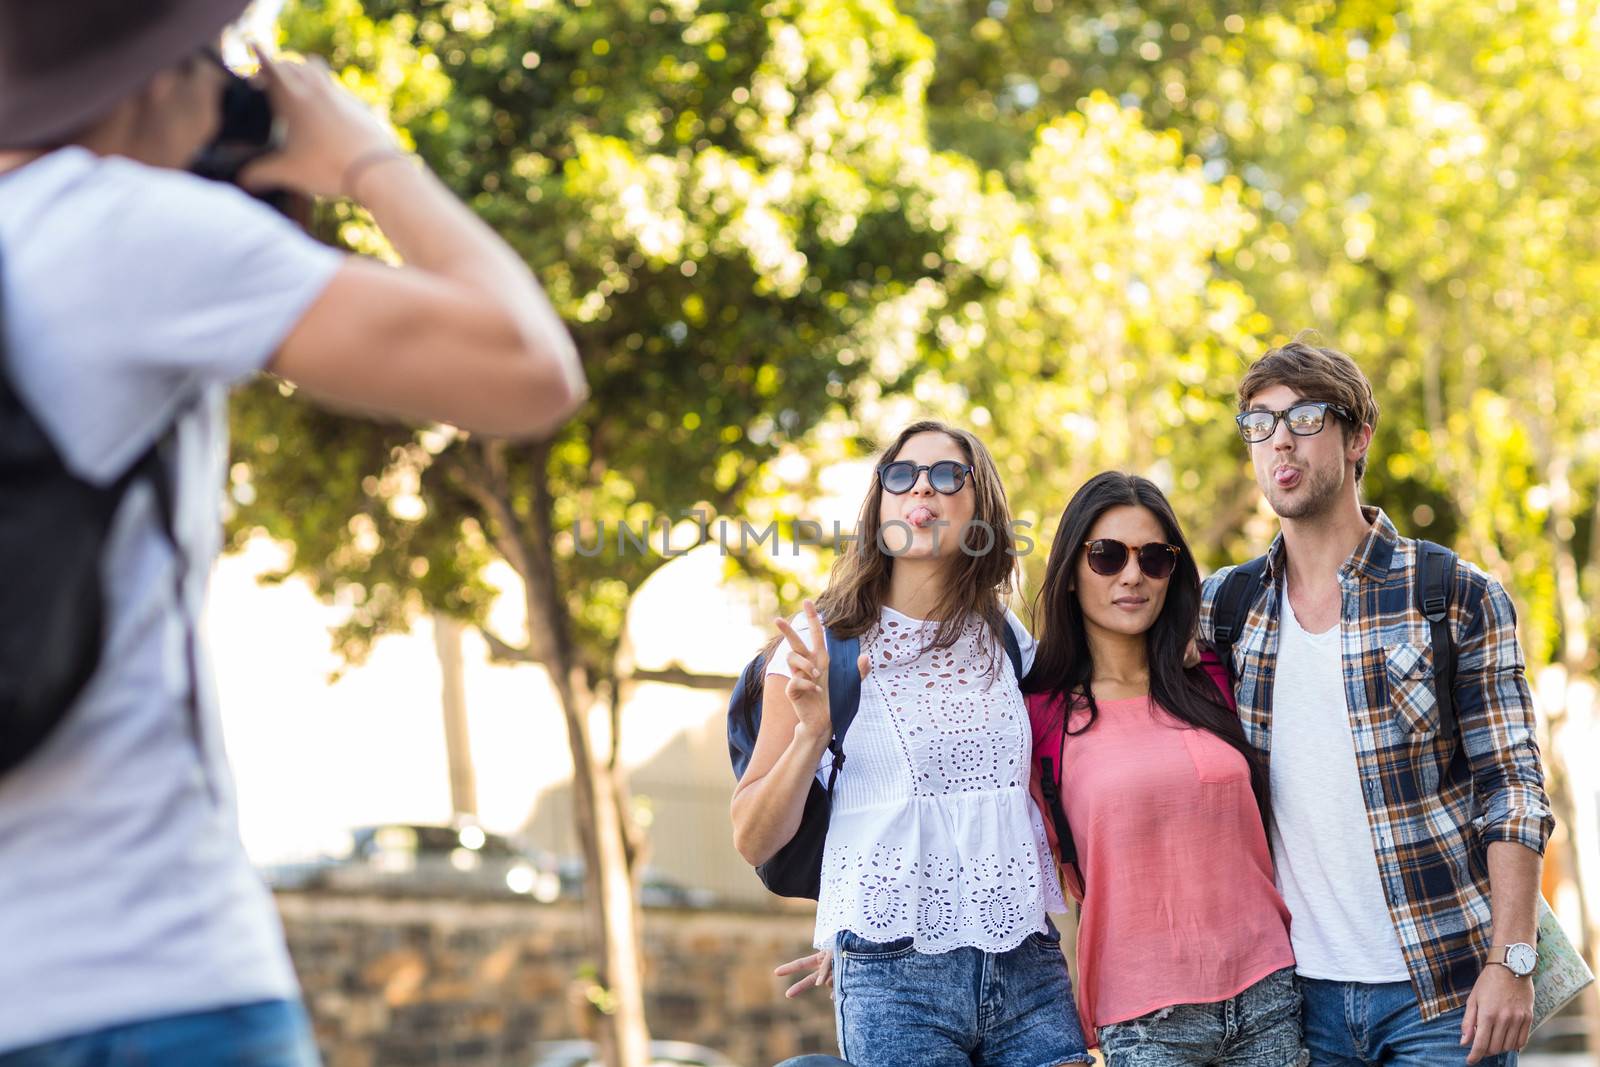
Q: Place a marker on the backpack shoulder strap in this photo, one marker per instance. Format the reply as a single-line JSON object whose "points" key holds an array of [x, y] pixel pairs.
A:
{"points": [[5, 375], [1001, 626], [1008, 637], [844, 693], [1435, 576], [156, 467], [1234, 599], [1051, 772], [744, 713]]}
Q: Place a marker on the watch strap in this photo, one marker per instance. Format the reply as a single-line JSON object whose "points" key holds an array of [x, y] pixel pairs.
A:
{"points": [[1501, 954]]}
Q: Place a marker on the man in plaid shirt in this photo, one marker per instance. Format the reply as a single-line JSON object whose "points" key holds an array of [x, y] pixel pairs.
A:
{"points": [[1409, 858]]}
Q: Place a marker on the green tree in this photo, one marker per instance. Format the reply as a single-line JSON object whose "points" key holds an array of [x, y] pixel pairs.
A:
{"points": [[1423, 179], [1113, 341], [738, 213]]}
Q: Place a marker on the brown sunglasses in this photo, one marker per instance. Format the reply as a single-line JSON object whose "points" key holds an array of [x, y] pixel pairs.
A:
{"points": [[1107, 557]]}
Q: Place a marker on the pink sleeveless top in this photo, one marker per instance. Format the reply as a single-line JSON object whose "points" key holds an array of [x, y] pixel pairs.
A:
{"points": [[1180, 905]]}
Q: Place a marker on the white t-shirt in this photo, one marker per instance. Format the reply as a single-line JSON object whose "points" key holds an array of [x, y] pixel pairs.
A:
{"points": [[1327, 869], [933, 833], [131, 294]]}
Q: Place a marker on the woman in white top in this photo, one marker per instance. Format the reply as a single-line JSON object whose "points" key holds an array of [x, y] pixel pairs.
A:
{"points": [[937, 877]]}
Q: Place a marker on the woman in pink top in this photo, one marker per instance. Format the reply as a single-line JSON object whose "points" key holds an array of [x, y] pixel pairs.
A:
{"points": [[1183, 940]]}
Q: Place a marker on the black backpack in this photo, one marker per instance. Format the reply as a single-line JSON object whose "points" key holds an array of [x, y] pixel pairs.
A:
{"points": [[53, 532], [796, 869], [1436, 568]]}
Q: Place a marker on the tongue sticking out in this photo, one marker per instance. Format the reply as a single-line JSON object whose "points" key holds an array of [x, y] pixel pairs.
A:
{"points": [[1286, 477], [920, 517]]}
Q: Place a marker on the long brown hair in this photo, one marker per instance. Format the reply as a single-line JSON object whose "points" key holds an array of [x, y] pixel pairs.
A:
{"points": [[980, 581]]}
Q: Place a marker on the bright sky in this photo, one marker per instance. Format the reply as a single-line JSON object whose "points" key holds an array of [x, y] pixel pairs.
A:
{"points": [[313, 759]]}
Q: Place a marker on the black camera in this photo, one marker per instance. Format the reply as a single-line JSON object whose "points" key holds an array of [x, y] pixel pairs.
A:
{"points": [[248, 130]]}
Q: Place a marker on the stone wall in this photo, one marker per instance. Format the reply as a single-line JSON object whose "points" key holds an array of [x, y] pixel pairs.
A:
{"points": [[423, 982]]}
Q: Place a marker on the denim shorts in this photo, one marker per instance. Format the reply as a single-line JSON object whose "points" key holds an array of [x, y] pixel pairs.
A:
{"points": [[1258, 1028], [896, 1006], [272, 1033]]}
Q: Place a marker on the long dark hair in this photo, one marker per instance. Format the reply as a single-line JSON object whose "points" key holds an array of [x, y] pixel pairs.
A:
{"points": [[1063, 666]]}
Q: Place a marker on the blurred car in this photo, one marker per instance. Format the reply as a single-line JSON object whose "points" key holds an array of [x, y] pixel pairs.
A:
{"points": [[419, 857], [662, 1054], [656, 890]]}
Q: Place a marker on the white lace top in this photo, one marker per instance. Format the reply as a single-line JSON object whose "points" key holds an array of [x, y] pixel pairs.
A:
{"points": [[934, 834]]}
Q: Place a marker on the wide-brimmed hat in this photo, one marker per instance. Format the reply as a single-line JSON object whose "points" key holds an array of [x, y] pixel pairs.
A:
{"points": [[64, 63]]}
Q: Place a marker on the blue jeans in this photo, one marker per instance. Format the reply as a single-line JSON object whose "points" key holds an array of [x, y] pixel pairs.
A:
{"points": [[1353, 1024], [896, 1006], [1259, 1027], [273, 1033]]}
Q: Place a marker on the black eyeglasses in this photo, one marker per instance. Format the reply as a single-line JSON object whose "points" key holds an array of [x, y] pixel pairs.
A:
{"points": [[1107, 557], [1303, 420], [946, 476]]}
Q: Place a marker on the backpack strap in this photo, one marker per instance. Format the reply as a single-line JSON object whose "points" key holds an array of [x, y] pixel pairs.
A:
{"points": [[1232, 607], [1436, 569], [1050, 786], [844, 694], [156, 468], [5, 376], [1008, 637]]}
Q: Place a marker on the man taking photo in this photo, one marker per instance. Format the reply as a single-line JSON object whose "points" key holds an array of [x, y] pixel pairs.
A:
{"points": [[132, 294]]}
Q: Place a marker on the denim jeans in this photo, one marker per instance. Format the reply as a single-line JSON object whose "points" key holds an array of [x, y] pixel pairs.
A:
{"points": [[1353, 1024], [1259, 1027], [896, 1006], [273, 1033]]}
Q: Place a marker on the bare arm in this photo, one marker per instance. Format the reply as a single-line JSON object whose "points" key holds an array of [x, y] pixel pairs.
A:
{"points": [[461, 334], [1499, 1013], [796, 726], [1495, 711], [770, 798], [1514, 892]]}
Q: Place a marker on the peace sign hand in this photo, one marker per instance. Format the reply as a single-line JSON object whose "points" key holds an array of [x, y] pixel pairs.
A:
{"points": [[808, 678]]}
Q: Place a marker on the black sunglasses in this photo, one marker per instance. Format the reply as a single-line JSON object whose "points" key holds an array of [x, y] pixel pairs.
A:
{"points": [[1304, 420], [946, 476], [1107, 557]]}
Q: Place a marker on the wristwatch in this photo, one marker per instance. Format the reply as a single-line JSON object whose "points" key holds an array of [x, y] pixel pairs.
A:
{"points": [[1517, 958]]}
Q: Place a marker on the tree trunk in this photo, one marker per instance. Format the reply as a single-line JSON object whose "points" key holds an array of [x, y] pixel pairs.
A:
{"points": [[617, 997], [453, 696], [614, 999]]}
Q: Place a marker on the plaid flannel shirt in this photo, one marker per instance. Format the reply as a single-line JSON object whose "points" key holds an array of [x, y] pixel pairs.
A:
{"points": [[1432, 806]]}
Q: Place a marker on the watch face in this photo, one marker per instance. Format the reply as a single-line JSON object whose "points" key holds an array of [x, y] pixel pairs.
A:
{"points": [[1521, 959]]}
